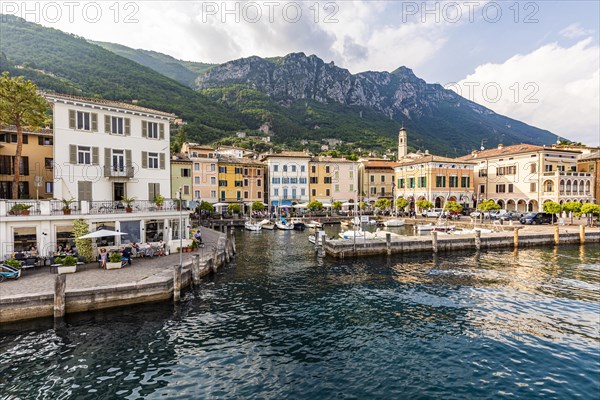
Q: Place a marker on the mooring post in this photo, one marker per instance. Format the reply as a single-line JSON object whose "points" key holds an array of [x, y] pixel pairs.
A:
{"points": [[434, 242], [210, 264], [176, 283], [233, 242], [478, 240], [516, 237], [388, 243], [581, 234], [556, 235], [60, 284], [196, 269], [316, 241]]}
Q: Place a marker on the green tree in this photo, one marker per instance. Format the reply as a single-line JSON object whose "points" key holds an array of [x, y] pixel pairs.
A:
{"points": [[84, 246], [206, 206], [362, 205], [234, 208], [337, 205], [315, 205], [23, 107], [424, 204], [258, 206], [552, 207], [572, 207], [383, 204], [401, 203], [453, 207], [487, 205], [590, 210]]}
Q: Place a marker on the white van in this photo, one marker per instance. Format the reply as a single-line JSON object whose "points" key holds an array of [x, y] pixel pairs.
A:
{"points": [[434, 212]]}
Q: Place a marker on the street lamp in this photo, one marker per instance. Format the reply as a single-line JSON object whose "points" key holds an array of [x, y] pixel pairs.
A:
{"points": [[180, 229]]}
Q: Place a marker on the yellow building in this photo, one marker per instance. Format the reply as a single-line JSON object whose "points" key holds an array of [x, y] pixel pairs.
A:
{"points": [[181, 177], [436, 179], [36, 165], [320, 179], [241, 180], [376, 179]]}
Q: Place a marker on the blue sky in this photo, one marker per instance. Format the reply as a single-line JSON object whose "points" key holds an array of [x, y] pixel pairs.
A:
{"points": [[543, 62]]}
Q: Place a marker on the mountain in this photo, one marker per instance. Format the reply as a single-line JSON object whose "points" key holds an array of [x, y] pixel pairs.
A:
{"points": [[69, 64], [184, 72], [436, 118]]}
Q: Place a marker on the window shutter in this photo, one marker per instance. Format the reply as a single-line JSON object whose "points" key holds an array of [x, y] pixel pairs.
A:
{"points": [[84, 191], [156, 189], [107, 123], [128, 160], [71, 119], [107, 156], [144, 159], [127, 127], [94, 122], [144, 129], [72, 154], [162, 160], [40, 141], [94, 156], [161, 130], [151, 194]]}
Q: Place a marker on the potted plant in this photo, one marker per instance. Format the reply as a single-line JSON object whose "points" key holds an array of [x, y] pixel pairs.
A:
{"points": [[114, 261], [20, 209], [177, 204], [159, 201], [128, 203], [194, 245], [68, 264], [13, 263], [66, 206]]}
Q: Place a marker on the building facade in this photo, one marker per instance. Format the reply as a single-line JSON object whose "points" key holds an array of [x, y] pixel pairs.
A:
{"points": [[333, 179], [436, 179], [205, 186], [241, 180], [523, 177], [181, 177], [287, 177], [376, 179], [590, 163], [37, 160], [107, 151]]}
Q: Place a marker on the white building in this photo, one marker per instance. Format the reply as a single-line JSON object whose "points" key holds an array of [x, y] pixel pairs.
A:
{"points": [[287, 179], [106, 150]]}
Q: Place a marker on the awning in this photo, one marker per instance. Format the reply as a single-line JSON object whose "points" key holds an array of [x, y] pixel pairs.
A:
{"points": [[284, 203], [102, 233]]}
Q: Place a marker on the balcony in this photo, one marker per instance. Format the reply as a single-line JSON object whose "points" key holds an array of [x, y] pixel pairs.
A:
{"points": [[118, 171], [25, 208], [570, 174]]}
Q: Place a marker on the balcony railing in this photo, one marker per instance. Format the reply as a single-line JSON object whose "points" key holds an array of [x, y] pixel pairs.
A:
{"points": [[56, 207], [22, 207], [118, 171], [567, 174]]}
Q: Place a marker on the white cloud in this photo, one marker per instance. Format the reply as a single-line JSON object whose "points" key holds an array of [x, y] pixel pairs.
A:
{"points": [[575, 31], [553, 88]]}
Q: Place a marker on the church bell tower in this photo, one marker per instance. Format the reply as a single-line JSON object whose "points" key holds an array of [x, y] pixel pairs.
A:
{"points": [[402, 145]]}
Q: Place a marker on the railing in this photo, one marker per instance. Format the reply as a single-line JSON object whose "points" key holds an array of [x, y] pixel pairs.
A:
{"points": [[55, 207], [119, 207], [118, 171], [22, 207], [565, 173]]}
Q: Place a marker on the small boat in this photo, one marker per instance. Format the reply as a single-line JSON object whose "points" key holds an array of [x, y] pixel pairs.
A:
{"points": [[379, 234], [298, 224], [266, 224], [252, 227], [320, 235], [345, 224], [284, 225], [394, 222], [358, 234], [313, 224], [424, 228], [444, 228]]}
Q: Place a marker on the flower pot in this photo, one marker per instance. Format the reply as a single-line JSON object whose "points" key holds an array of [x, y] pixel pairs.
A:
{"points": [[115, 265], [23, 212], [128, 209], [66, 211], [67, 269]]}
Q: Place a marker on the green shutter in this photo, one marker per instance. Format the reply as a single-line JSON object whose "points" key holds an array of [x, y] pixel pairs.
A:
{"points": [[71, 119], [94, 156], [161, 160], [107, 159], [127, 127], [144, 129], [94, 122], [161, 131], [144, 159], [72, 154], [151, 193], [107, 123]]}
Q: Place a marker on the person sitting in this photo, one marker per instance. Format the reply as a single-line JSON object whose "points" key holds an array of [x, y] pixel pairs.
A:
{"points": [[198, 237], [149, 251], [59, 251], [161, 248], [69, 250], [33, 251], [127, 254]]}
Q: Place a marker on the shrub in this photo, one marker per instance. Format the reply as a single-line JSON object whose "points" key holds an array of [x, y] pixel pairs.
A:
{"points": [[114, 257], [84, 246]]}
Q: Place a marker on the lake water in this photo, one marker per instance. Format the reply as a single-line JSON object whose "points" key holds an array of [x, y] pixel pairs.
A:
{"points": [[282, 322]]}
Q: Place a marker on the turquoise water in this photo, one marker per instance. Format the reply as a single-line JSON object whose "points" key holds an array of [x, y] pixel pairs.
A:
{"points": [[282, 322]]}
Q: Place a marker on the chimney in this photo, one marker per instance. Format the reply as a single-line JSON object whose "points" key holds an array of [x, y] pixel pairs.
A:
{"points": [[474, 153], [500, 146], [426, 151]]}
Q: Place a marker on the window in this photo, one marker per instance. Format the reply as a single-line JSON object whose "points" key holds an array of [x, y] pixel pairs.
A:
{"points": [[258, 182], [284, 169], [314, 179], [351, 187], [382, 178], [372, 178], [294, 180], [222, 170], [44, 141], [196, 166], [511, 170], [213, 180], [48, 163], [293, 168], [153, 130], [302, 168], [327, 192], [186, 190], [481, 188], [327, 169], [222, 195], [197, 180], [440, 181], [213, 167], [276, 192], [373, 190], [222, 182], [245, 171], [49, 187], [510, 188], [84, 121], [465, 181], [351, 174], [117, 125], [196, 194], [411, 182], [245, 195], [501, 188], [422, 181], [548, 167], [285, 193], [313, 169], [259, 171], [84, 155], [153, 160], [275, 168], [327, 179], [213, 194], [239, 183], [401, 183], [313, 192], [259, 195], [286, 180], [336, 188], [186, 172], [238, 170], [453, 181], [482, 172], [303, 181], [118, 160]]}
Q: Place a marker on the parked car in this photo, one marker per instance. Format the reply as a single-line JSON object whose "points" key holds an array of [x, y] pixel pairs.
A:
{"points": [[434, 212], [477, 214], [536, 218], [495, 214], [512, 216]]}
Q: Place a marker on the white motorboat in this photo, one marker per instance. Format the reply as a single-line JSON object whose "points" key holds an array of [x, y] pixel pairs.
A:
{"points": [[252, 227], [394, 222], [424, 228], [320, 235], [266, 224], [358, 234], [284, 225], [379, 234], [313, 224]]}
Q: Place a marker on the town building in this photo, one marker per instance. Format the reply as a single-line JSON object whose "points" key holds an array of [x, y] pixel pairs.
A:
{"points": [[181, 178], [37, 160], [333, 179], [287, 177], [204, 171], [436, 179], [590, 163], [375, 179], [241, 180], [523, 177]]}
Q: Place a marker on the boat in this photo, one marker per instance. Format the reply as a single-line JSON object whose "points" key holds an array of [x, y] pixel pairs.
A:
{"points": [[424, 228], [319, 234], [298, 224], [444, 228], [393, 222], [468, 231], [284, 225], [252, 227], [313, 224], [379, 234], [358, 234], [266, 224]]}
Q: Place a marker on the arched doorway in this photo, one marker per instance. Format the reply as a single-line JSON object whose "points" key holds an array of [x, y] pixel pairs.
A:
{"points": [[521, 206], [511, 205], [439, 202], [533, 205], [500, 203], [549, 187]]}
